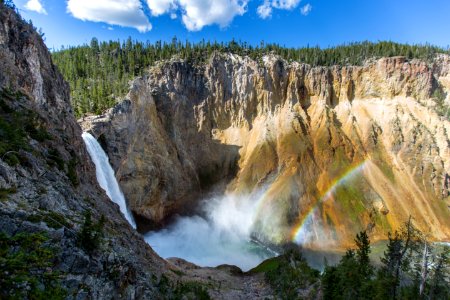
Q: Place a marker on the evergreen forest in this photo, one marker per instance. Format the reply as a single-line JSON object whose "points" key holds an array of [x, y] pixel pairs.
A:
{"points": [[99, 72]]}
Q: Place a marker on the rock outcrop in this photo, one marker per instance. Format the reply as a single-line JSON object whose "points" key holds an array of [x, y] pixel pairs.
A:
{"points": [[48, 183], [332, 150]]}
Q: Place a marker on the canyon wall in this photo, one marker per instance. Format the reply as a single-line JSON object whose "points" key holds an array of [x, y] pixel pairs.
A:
{"points": [[48, 184], [328, 151]]}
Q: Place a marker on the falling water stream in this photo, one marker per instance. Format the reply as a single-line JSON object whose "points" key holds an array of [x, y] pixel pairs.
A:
{"points": [[221, 236], [223, 233], [105, 175]]}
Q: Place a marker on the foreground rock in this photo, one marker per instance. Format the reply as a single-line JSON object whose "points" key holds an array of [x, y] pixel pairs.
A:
{"points": [[333, 150], [47, 180]]}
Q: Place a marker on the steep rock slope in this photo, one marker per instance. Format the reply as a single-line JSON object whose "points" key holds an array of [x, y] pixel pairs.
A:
{"points": [[332, 150], [47, 180]]}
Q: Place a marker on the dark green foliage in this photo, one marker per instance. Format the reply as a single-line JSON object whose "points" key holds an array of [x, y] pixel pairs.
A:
{"points": [[344, 281], [17, 126], [98, 73], [12, 138], [91, 235], [267, 265], [397, 258], [407, 258], [362, 255], [5, 192], [190, 291], [72, 171], [36, 129], [54, 159], [25, 268], [181, 290], [178, 272], [52, 219], [289, 273], [439, 287], [351, 278], [163, 284]]}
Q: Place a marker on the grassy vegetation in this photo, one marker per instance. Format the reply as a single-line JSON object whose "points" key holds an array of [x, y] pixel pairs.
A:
{"points": [[190, 290], [52, 219], [267, 265], [178, 272], [442, 108], [25, 268], [349, 197], [5, 192], [288, 274], [181, 290]]}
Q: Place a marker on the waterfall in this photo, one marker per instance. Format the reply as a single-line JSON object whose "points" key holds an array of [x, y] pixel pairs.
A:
{"points": [[105, 175]]}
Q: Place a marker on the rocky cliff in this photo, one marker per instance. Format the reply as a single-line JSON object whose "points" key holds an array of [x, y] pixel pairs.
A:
{"points": [[47, 184], [332, 150]]}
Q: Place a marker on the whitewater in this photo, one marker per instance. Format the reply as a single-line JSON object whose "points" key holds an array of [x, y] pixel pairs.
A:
{"points": [[221, 235], [105, 176]]}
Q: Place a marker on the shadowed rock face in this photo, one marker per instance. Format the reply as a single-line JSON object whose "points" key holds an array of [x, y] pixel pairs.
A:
{"points": [[335, 149], [53, 183]]}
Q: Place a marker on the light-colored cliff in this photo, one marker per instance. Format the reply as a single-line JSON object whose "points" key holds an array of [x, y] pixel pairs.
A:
{"points": [[333, 150]]}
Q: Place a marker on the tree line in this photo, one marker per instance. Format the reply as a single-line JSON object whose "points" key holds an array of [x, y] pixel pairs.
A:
{"points": [[99, 72], [411, 267]]}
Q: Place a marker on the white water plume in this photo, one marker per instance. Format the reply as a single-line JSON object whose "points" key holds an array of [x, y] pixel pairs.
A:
{"points": [[105, 175], [223, 236]]}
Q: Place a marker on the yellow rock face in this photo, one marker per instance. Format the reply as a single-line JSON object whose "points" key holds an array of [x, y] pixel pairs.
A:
{"points": [[331, 151]]}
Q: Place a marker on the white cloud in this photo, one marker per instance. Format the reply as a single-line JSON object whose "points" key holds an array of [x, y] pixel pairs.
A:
{"points": [[159, 7], [265, 9], [200, 13], [285, 4], [196, 14], [36, 5], [305, 10], [126, 13]]}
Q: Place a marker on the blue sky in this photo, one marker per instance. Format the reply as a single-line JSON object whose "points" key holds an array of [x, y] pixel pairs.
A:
{"points": [[293, 23]]}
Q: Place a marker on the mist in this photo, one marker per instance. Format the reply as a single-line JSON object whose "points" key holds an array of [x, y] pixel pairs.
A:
{"points": [[221, 235]]}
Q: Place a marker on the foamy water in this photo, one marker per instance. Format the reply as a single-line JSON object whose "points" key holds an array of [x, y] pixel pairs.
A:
{"points": [[222, 236]]}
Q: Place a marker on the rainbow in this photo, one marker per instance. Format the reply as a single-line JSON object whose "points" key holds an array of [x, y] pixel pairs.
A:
{"points": [[298, 229]]}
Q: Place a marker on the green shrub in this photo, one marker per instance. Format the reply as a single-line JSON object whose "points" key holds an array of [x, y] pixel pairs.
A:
{"points": [[91, 235], [52, 219], [72, 171], [17, 126], [441, 108], [190, 290], [289, 273], [25, 268], [5, 192], [54, 159]]}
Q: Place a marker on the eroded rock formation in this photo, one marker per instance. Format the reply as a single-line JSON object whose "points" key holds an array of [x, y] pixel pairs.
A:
{"points": [[50, 184], [334, 149]]}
